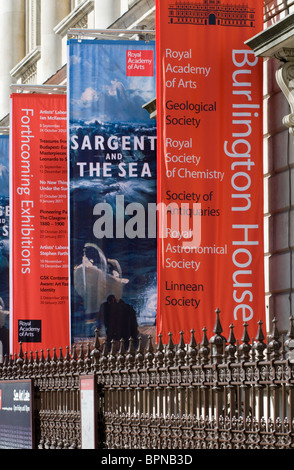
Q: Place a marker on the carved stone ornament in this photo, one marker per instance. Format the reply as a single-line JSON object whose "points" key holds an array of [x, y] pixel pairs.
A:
{"points": [[285, 80]]}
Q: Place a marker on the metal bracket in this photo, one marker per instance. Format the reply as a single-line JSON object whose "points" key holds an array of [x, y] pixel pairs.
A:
{"points": [[19, 88], [111, 33]]}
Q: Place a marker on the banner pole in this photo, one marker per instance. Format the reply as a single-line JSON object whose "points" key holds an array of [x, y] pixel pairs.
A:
{"points": [[39, 88], [94, 32], [112, 33]]}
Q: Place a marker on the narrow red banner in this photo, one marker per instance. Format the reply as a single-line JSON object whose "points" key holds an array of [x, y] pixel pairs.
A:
{"points": [[39, 224], [210, 183]]}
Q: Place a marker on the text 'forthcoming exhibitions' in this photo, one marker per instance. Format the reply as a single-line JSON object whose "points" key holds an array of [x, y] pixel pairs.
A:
{"points": [[39, 220]]}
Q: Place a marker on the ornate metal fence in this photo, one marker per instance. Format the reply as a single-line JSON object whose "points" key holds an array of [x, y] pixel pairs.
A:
{"points": [[215, 394]]}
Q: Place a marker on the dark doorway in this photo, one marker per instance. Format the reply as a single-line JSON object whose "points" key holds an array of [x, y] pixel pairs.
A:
{"points": [[211, 19]]}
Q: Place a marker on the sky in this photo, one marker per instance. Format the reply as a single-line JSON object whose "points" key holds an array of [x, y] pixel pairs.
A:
{"points": [[99, 88]]}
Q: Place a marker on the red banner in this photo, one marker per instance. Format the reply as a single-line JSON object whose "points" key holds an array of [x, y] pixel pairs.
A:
{"points": [[39, 231], [210, 189]]}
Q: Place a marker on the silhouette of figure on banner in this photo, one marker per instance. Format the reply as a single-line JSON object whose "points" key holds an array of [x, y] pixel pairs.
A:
{"points": [[120, 321], [129, 325]]}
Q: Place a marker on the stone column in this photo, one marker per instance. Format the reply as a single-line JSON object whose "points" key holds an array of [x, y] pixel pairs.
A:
{"points": [[52, 12], [12, 45], [107, 11]]}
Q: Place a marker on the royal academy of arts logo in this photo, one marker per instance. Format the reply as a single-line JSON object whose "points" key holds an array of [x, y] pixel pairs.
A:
{"points": [[211, 12]]}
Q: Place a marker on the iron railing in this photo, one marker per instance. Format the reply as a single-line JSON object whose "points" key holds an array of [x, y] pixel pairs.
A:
{"points": [[216, 394]]}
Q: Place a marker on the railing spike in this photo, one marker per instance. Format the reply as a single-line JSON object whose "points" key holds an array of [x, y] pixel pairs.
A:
{"points": [[66, 362], [74, 352], [112, 355], [122, 349], [290, 333], [217, 341], [88, 352], [130, 355], [139, 357], [73, 360], [159, 351], [20, 354], [260, 336], [5, 361], [26, 361], [42, 361], [104, 349], [48, 358], [193, 342], [60, 358], [245, 337], [181, 350], [94, 355], [14, 364], [97, 341], [260, 346], [81, 355], [31, 363], [181, 342], [245, 347], [160, 343], [232, 339], [217, 327], [275, 343], [149, 356], [19, 361], [54, 357], [204, 346], [231, 347], [121, 355], [36, 363], [289, 343], [192, 349], [170, 344], [170, 351]]}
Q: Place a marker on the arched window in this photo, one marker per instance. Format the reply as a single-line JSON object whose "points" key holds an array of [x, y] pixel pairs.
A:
{"points": [[211, 19]]}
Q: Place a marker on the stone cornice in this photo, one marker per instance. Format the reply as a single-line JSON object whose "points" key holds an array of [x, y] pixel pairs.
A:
{"points": [[74, 17], [26, 62], [277, 42], [274, 38], [141, 13]]}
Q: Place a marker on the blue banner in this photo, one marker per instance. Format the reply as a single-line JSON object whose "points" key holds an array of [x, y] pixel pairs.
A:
{"points": [[4, 244], [112, 172]]}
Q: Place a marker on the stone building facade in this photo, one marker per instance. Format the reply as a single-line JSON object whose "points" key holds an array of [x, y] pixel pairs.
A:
{"points": [[275, 44], [33, 36], [33, 50]]}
